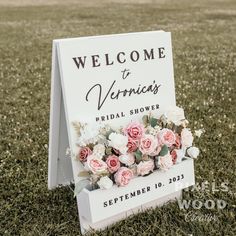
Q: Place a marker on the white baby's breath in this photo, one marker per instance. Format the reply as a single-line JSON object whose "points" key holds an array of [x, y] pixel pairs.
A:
{"points": [[199, 132], [153, 130], [89, 134]]}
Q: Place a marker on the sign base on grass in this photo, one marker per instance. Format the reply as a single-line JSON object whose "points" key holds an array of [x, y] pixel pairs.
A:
{"points": [[91, 77]]}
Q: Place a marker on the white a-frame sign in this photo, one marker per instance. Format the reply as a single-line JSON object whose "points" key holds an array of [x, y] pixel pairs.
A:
{"points": [[87, 72]]}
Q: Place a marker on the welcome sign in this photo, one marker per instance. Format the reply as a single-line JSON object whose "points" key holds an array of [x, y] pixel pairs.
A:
{"points": [[111, 79]]}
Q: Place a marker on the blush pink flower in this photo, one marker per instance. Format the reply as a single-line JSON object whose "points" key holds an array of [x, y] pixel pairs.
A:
{"points": [[134, 130], [156, 151], [113, 163], [165, 162], [84, 153], [148, 144], [123, 176], [96, 165], [167, 137], [145, 167], [132, 145]]}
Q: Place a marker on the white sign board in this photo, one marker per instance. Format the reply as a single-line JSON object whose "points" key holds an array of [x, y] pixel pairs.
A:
{"points": [[112, 79]]}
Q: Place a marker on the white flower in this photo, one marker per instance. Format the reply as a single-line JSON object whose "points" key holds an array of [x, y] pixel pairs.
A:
{"points": [[153, 130], [105, 182], [199, 132], [186, 138], [165, 162], [119, 142], [127, 159], [175, 114], [99, 150], [89, 133], [180, 155], [193, 152]]}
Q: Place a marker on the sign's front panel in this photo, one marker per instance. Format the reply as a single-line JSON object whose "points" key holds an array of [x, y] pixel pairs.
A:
{"points": [[117, 78]]}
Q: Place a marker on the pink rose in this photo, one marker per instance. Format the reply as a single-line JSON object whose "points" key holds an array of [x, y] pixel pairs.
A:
{"points": [[134, 130], [177, 155], [148, 144], [167, 137], [174, 156], [132, 145], [177, 143], [123, 176], [84, 153], [186, 138], [96, 165], [165, 162], [156, 151], [145, 167], [113, 163]]}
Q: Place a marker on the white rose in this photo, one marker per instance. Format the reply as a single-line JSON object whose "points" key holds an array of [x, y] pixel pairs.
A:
{"points": [[119, 142], [105, 183], [186, 138], [165, 162], [193, 152], [127, 159], [99, 150], [175, 114]]}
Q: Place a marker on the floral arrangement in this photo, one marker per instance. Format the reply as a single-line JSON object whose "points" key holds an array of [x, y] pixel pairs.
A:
{"points": [[115, 156]]}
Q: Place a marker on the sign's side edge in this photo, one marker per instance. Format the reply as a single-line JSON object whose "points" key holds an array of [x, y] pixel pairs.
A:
{"points": [[55, 106]]}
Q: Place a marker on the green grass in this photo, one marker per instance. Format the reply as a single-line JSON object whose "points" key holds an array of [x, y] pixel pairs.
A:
{"points": [[204, 46]]}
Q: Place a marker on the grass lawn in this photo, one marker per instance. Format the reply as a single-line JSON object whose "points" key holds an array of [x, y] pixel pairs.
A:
{"points": [[204, 48]]}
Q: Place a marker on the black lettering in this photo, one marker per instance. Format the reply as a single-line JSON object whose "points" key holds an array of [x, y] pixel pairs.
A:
{"points": [[95, 60], [148, 56], [161, 52], [132, 56], [78, 61], [107, 60], [118, 57]]}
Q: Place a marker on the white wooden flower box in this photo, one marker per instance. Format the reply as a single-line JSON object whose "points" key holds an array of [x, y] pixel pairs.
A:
{"points": [[99, 208]]}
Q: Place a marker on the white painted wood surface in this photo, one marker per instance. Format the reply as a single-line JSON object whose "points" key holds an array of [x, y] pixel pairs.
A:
{"points": [[162, 187]]}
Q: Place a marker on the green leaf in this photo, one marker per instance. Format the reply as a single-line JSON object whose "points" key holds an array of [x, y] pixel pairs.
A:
{"points": [[84, 174], [80, 185], [164, 150], [153, 122], [138, 156]]}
